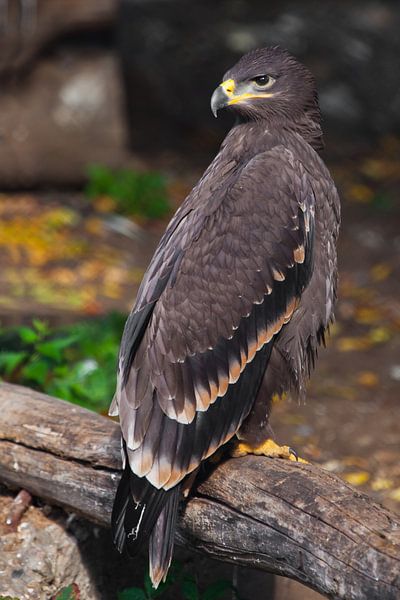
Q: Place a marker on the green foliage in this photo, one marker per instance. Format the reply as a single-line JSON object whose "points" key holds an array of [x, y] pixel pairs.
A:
{"points": [[135, 193], [189, 588], [217, 590], [184, 586], [133, 593], [9, 361], [71, 592], [75, 363]]}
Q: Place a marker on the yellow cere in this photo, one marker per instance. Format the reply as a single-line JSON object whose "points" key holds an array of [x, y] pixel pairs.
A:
{"points": [[228, 86], [247, 96]]}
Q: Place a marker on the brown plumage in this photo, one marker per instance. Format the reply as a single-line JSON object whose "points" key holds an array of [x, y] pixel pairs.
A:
{"points": [[235, 301]]}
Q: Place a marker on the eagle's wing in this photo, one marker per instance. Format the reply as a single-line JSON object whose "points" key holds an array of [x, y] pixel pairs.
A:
{"points": [[225, 279]]}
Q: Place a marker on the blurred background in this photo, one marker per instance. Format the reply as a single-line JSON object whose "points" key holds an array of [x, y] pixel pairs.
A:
{"points": [[105, 126]]}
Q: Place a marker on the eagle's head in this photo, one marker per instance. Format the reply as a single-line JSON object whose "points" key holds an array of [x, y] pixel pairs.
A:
{"points": [[268, 84]]}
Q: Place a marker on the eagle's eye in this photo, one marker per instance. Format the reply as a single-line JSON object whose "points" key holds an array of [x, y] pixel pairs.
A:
{"points": [[264, 81]]}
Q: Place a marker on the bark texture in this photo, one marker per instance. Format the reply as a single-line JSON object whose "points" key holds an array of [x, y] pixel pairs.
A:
{"points": [[288, 518]]}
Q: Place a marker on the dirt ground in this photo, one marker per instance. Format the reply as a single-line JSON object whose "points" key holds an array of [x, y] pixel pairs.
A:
{"points": [[62, 259]]}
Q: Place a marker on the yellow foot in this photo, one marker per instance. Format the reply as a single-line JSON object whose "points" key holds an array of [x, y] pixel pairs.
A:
{"points": [[268, 448]]}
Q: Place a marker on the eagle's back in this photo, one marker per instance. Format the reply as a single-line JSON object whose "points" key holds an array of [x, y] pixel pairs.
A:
{"points": [[246, 267]]}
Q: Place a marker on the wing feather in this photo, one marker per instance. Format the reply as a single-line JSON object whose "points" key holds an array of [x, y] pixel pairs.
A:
{"points": [[244, 257]]}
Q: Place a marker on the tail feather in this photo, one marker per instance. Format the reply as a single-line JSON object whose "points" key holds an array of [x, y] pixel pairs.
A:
{"points": [[120, 508], [161, 545], [144, 506], [143, 512]]}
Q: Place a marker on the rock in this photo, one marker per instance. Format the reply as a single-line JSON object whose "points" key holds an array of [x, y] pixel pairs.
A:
{"points": [[40, 557], [66, 115]]}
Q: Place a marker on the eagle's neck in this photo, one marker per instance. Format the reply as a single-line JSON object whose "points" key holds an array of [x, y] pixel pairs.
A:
{"points": [[308, 125], [309, 129]]}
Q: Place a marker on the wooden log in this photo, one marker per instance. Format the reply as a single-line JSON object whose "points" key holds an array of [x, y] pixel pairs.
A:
{"points": [[287, 518]]}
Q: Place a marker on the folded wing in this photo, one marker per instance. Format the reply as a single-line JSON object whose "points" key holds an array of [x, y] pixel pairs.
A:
{"points": [[226, 278]]}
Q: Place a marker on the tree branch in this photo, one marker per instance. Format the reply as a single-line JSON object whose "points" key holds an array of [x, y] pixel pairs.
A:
{"points": [[288, 518]]}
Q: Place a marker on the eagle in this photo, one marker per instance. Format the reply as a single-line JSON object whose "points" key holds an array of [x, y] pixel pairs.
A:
{"points": [[234, 304]]}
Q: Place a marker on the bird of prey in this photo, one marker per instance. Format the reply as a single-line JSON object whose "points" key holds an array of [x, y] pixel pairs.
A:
{"points": [[234, 304]]}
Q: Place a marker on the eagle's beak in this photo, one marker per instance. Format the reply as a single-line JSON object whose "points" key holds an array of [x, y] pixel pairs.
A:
{"points": [[230, 93], [222, 95]]}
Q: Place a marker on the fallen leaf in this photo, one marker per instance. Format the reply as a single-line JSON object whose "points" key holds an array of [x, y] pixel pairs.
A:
{"points": [[350, 344], [378, 335], [368, 379], [379, 169], [395, 494], [380, 272], [381, 483], [360, 193], [105, 204], [357, 478], [368, 315], [94, 226]]}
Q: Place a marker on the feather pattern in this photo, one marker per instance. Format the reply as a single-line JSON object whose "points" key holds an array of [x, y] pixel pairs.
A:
{"points": [[193, 366], [232, 308]]}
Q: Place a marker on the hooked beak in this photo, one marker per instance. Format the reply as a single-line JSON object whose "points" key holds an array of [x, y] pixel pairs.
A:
{"points": [[229, 93], [222, 96]]}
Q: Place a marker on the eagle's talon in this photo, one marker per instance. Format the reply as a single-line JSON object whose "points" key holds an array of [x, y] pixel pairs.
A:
{"points": [[268, 448]]}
